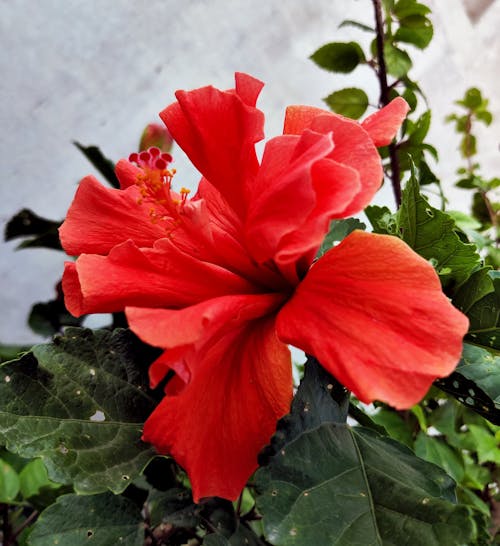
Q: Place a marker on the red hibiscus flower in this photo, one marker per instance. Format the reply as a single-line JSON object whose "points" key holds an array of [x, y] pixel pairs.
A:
{"points": [[224, 281]]}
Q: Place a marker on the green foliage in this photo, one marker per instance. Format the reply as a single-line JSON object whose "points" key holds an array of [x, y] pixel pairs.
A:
{"points": [[44, 233], [350, 102], [9, 482], [431, 233], [339, 230], [479, 299], [327, 483], [104, 520], [397, 60], [79, 403], [339, 56]]}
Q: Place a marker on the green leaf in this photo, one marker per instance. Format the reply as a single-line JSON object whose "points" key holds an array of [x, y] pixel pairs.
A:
{"points": [[49, 317], [484, 116], [103, 520], [9, 482], [476, 382], [437, 451], [356, 24], [430, 232], [408, 8], [397, 60], [339, 56], [479, 299], [104, 165], [468, 145], [26, 223], [486, 445], [421, 128], [472, 99], [339, 230], [243, 536], [9, 352], [79, 403], [350, 102], [329, 483], [33, 478], [416, 30]]}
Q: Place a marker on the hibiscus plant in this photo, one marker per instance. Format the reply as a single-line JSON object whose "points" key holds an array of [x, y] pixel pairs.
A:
{"points": [[180, 422]]}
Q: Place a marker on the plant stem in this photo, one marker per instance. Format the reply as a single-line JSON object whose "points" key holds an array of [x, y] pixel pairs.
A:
{"points": [[384, 98], [4, 511]]}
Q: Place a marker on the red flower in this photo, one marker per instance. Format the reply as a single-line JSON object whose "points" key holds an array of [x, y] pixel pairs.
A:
{"points": [[224, 281]]}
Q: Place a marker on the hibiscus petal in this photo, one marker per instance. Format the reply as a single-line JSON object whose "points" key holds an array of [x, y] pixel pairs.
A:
{"points": [[353, 147], [100, 218], [373, 313], [218, 131], [283, 194], [159, 277], [127, 173], [383, 125], [220, 421]]}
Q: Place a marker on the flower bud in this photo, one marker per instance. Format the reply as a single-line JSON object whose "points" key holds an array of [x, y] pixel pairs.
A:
{"points": [[155, 135]]}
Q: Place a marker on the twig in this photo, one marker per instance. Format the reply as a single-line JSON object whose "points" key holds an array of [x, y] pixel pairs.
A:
{"points": [[384, 99]]}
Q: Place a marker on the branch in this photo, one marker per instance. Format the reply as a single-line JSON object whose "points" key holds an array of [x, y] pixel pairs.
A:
{"points": [[384, 98]]}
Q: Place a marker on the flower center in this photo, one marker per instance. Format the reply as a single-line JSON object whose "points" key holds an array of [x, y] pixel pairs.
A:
{"points": [[155, 187]]}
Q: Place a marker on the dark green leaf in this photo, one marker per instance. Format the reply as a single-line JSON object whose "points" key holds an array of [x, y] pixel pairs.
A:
{"points": [[49, 318], [411, 98], [339, 56], [174, 506], [103, 520], [26, 223], [104, 165], [425, 175], [328, 483], [432, 234], [476, 382], [243, 536], [397, 60], [79, 403], [350, 102], [9, 352], [416, 30], [339, 230], [479, 299], [356, 24], [408, 8]]}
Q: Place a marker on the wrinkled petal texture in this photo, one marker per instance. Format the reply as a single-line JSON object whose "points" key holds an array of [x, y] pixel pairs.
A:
{"points": [[353, 143], [100, 218], [217, 424], [163, 276], [218, 131], [376, 319]]}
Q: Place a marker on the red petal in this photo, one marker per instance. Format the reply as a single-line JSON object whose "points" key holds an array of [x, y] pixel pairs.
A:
{"points": [[352, 146], [383, 125], [126, 173], [100, 218], [220, 421], [283, 195], [187, 328], [373, 313], [218, 131], [159, 277]]}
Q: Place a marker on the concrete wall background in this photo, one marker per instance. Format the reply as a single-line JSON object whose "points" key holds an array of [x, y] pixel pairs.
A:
{"points": [[99, 70]]}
